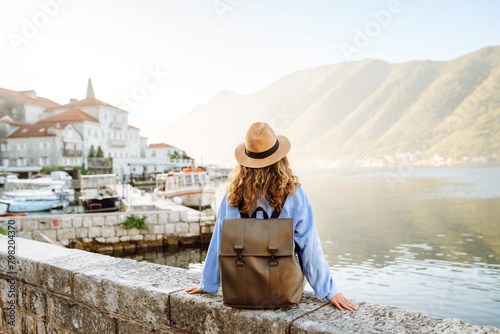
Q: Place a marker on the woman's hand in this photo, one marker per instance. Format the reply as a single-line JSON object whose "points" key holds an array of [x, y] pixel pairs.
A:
{"points": [[194, 289], [342, 302]]}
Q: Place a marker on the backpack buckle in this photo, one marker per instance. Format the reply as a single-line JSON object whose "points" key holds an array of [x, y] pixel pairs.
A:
{"points": [[273, 260], [239, 261]]}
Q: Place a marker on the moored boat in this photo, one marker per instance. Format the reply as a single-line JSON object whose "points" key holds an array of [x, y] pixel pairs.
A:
{"points": [[98, 193], [194, 188]]}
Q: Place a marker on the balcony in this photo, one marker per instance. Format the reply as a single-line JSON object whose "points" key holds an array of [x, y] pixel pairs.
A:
{"points": [[72, 153], [117, 143], [116, 125]]}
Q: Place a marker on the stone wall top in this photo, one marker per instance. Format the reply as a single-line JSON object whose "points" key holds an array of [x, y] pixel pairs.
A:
{"points": [[124, 296]]}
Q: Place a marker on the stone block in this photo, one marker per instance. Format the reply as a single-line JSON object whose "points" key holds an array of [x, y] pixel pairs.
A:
{"points": [[194, 228], [182, 228], [108, 231], [54, 278], [173, 216], [95, 232], [26, 271], [117, 247], [97, 221], [369, 318], [211, 313], [77, 221], [101, 240], [44, 224], [87, 240], [81, 232], [151, 219], [158, 229], [129, 247], [111, 220], [124, 238], [183, 216], [21, 291], [119, 231], [50, 233], [66, 222], [87, 221], [27, 324], [170, 229], [137, 237], [65, 233], [121, 219], [163, 218], [64, 242], [112, 240], [149, 237], [38, 303], [133, 231], [30, 225], [25, 234], [128, 327]]}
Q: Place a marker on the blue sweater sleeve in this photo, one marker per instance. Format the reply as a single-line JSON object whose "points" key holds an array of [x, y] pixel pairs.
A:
{"points": [[316, 268], [210, 278]]}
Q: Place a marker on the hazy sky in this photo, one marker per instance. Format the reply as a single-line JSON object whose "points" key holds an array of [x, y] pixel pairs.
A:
{"points": [[160, 58]]}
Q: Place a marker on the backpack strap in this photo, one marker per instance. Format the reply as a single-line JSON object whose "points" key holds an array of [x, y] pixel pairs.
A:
{"points": [[240, 207], [276, 214]]}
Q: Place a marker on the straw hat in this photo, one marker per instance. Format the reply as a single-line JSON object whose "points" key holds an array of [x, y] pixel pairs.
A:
{"points": [[262, 147]]}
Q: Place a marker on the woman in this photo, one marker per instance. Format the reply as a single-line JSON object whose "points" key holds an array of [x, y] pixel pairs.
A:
{"points": [[263, 178]]}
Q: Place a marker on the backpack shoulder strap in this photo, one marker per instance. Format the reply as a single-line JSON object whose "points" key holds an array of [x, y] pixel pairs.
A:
{"points": [[240, 207], [276, 214]]}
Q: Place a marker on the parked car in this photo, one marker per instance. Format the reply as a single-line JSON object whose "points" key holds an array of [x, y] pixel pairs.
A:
{"points": [[61, 175]]}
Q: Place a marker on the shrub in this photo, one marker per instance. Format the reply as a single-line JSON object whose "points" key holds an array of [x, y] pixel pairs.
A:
{"points": [[134, 221]]}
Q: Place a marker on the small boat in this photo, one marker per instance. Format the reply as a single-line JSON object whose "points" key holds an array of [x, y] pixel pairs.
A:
{"points": [[21, 201], [193, 187], [98, 193], [58, 186]]}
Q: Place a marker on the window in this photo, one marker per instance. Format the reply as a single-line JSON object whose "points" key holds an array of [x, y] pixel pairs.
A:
{"points": [[21, 161], [44, 145], [4, 147], [18, 146], [70, 133], [44, 161], [153, 153], [24, 146], [6, 162]]}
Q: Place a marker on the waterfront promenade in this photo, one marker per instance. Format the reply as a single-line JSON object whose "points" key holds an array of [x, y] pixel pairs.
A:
{"points": [[61, 290]]}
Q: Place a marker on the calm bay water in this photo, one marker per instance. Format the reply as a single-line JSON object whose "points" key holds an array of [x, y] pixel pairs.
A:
{"points": [[425, 238]]}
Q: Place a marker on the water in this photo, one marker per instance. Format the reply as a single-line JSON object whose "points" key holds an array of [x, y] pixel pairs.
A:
{"points": [[423, 238]]}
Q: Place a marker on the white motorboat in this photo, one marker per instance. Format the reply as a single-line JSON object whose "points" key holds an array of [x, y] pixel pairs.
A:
{"points": [[45, 184], [194, 188]]}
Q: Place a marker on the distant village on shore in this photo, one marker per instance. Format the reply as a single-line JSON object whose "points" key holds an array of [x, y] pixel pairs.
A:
{"points": [[37, 133]]}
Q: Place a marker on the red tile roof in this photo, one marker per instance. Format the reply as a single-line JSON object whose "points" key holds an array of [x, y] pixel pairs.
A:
{"points": [[133, 127], [15, 123], [89, 101], [160, 145], [23, 96], [72, 115], [33, 130]]}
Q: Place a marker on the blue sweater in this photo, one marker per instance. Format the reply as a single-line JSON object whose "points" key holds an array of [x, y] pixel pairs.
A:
{"points": [[299, 208]]}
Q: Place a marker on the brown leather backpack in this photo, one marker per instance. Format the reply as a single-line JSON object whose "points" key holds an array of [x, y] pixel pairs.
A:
{"points": [[258, 264]]}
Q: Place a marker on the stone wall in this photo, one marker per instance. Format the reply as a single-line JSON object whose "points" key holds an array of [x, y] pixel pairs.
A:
{"points": [[63, 290], [102, 232]]}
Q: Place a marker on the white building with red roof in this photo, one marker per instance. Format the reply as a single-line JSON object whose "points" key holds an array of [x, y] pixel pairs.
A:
{"points": [[24, 106], [101, 124], [41, 144]]}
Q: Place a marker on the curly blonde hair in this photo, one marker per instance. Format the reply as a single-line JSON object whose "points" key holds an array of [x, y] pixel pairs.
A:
{"points": [[271, 183]]}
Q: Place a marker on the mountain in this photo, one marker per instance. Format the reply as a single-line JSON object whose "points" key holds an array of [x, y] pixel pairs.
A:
{"points": [[364, 109]]}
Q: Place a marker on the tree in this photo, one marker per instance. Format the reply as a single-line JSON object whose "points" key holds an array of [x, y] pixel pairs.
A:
{"points": [[100, 153], [91, 152], [175, 155]]}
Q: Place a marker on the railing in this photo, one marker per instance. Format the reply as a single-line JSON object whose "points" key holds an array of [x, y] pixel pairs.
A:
{"points": [[117, 143], [116, 125], [72, 153]]}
